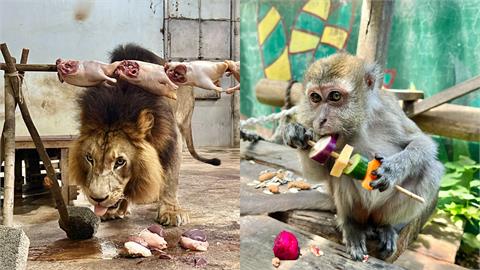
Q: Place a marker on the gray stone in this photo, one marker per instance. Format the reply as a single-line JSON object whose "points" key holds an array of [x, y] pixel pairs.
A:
{"points": [[82, 223], [184, 38], [183, 9], [215, 40], [215, 9], [14, 245]]}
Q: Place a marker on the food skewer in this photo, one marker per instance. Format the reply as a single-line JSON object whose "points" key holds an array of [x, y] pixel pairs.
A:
{"points": [[357, 166]]}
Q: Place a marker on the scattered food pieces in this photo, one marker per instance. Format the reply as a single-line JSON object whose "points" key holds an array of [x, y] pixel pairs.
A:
{"points": [[274, 189], [266, 176], [138, 240], [302, 185], [196, 234], [285, 246], [293, 190], [155, 228], [194, 239], [135, 250], [197, 262], [194, 245], [154, 240], [365, 258], [266, 191], [276, 262], [316, 250]]}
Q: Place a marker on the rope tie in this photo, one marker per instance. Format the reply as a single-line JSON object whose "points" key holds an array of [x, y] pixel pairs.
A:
{"points": [[20, 79], [267, 118]]}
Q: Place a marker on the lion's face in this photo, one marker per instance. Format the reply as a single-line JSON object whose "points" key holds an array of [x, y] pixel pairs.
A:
{"points": [[113, 164], [108, 162]]}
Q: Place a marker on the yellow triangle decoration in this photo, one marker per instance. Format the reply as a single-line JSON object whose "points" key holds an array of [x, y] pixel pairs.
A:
{"points": [[267, 24], [302, 41], [280, 69], [335, 37], [320, 8]]}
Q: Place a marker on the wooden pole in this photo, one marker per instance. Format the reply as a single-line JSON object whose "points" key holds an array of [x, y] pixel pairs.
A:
{"points": [[56, 192], [9, 141], [375, 24], [32, 67]]}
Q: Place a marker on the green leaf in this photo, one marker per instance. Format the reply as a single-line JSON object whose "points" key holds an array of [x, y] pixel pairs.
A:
{"points": [[451, 179], [444, 194], [475, 183], [472, 240], [464, 160], [467, 197]]}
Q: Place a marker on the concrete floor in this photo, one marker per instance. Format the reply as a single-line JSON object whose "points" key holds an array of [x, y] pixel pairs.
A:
{"points": [[210, 193]]}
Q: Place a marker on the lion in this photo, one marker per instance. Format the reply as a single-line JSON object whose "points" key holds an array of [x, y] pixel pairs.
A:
{"points": [[129, 148]]}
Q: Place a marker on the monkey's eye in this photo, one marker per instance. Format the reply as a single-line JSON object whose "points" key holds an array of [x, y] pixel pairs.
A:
{"points": [[119, 162], [89, 158], [315, 97], [334, 96]]}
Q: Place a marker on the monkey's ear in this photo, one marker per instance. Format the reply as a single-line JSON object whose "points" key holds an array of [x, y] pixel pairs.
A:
{"points": [[373, 76]]}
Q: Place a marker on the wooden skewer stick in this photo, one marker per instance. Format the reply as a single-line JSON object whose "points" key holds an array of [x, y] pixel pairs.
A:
{"points": [[31, 67], [410, 194]]}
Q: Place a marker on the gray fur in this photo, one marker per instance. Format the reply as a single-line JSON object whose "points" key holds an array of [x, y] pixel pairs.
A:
{"points": [[372, 121]]}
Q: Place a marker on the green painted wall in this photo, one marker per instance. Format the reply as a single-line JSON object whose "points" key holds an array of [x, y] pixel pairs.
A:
{"points": [[434, 44]]}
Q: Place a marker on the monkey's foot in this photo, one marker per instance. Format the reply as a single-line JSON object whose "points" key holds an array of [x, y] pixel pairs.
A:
{"points": [[356, 246], [118, 212], [172, 216], [387, 237]]}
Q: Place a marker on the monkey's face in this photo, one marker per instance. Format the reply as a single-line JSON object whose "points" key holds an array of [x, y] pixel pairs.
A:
{"points": [[330, 109]]}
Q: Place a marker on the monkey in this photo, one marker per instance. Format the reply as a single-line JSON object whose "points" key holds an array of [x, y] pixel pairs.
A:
{"points": [[151, 77], [343, 98], [203, 74], [85, 73]]}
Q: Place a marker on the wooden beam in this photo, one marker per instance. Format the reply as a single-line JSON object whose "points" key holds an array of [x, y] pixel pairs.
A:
{"points": [[32, 67], [375, 24], [9, 137], [445, 96], [449, 120], [272, 92]]}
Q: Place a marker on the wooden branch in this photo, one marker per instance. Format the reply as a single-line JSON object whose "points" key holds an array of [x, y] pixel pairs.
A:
{"points": [[445, 96], [375, 24], [450, 120], [9, 139], [272, 92], [32, 67]]}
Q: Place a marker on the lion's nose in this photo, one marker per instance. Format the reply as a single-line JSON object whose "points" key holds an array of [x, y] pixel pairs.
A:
{"points": [[99, 200]]}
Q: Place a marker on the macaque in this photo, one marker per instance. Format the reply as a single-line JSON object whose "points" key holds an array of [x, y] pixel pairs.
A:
{"points": [[343, 98], [85, 73], [151, 77], [233, 68], [203, 74]]}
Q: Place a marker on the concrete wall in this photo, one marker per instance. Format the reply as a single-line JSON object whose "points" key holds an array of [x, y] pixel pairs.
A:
{"points": [[86, 29]]}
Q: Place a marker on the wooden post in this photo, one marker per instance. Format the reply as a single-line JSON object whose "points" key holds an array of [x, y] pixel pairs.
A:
{"points": [[9, 140], [375, 24]]}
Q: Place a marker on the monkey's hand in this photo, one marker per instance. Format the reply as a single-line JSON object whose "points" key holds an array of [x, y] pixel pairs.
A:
{"points": [[297, 136], [389, 173]]}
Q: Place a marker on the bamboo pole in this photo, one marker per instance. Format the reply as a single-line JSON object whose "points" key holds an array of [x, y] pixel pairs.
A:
{"points": [[31, 67]]}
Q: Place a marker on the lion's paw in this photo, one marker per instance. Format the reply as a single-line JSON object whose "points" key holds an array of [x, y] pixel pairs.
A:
{"points": [[177, 217]]}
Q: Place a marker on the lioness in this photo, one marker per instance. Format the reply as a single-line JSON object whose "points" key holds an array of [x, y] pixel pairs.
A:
{"points": [[129, 147]]}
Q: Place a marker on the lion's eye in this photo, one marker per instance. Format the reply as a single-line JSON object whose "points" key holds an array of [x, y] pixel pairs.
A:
{"points": [[119, 162], [334, 96], [89, 158], [315, 97]]}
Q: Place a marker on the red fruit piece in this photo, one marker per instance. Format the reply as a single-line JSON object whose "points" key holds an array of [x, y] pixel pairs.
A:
{"points": [[285, 246]]}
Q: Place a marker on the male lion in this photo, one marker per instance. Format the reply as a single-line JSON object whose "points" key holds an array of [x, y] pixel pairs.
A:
{"points": [[128, 150]]}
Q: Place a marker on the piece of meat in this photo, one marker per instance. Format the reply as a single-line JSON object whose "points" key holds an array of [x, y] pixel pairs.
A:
{"points": [[153, 240], [202, 74], [155, 228], [134, 249], [196, 234], [85, 73], [148, 76], [191, 244]]}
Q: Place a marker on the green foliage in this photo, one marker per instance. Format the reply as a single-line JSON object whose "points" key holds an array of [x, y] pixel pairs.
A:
{"points": [[459, 197]]}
